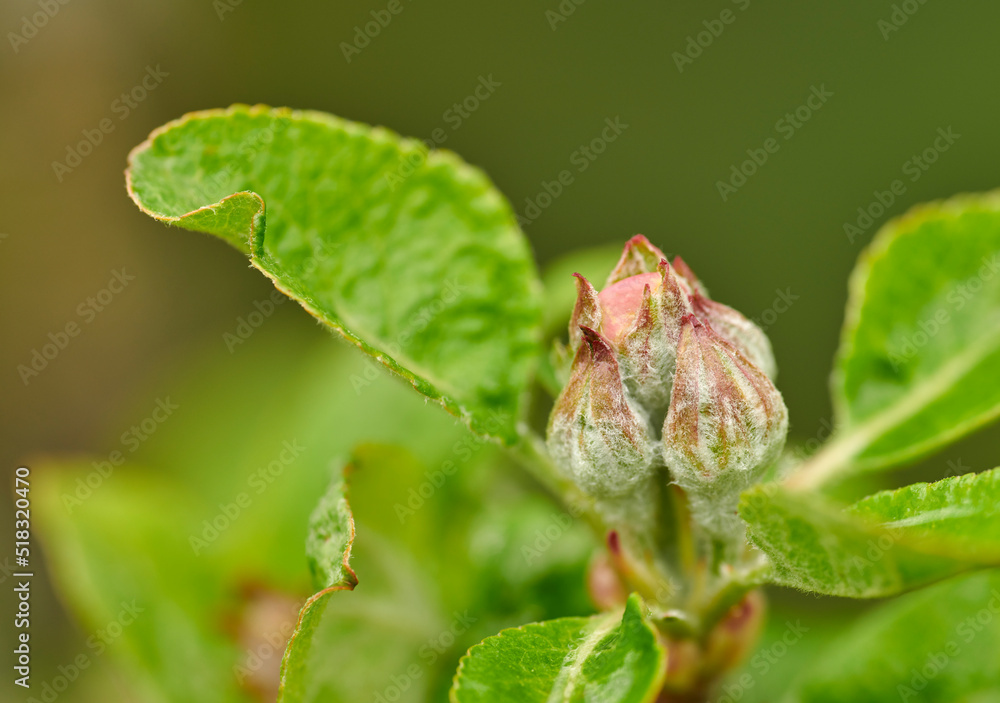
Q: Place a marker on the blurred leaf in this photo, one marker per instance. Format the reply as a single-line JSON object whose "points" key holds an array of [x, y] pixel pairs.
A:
{"points": [[418, 604], [220, 450], [959, 515], [411, 255], [229, 437], [328, 550], [126, 549], [796, 631], [939, 644], [600, 658], [888, 543], [331, 534], [919, 361]]}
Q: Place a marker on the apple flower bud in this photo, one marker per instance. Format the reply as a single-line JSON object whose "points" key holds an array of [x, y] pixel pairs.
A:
{"points": [[653, 352], [595, 432], [726, 424]]}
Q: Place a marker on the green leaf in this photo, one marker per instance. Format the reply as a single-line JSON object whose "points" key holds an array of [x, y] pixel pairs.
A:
{"points": [[919, 361], [328, 551], [959, 515], [883, 545], [361, 623], [570, 659], [939, 644], [122, 558], [224, 443], [461, 549], [331, 534], [796, 631], [411, 255], [431, 582]]}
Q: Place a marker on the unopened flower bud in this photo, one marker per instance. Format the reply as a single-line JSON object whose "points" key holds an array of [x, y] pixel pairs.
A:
{"points": [[726, 424], [595, 433], [626, 342]]}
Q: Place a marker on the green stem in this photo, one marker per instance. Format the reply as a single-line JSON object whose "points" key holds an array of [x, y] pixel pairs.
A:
{"points": [[827, 463], [731, 593]]}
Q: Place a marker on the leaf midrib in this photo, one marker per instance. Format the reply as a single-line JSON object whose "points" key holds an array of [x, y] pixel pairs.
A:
{"points": [[840, 451], [567, 681]]}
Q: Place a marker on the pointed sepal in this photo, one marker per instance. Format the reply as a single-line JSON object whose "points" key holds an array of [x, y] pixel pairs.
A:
{"points": [[639, 256]]}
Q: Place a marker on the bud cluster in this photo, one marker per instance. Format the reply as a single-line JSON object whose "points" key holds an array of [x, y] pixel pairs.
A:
{"points": [[664, 376]]}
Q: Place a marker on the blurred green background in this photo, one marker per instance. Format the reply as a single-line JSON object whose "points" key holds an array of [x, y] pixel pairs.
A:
{"points": [[557, 78]]}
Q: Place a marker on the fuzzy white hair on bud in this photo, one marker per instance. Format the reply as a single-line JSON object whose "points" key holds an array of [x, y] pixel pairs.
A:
{"points": [[726, 425], [652, 350], [595, 432], [738, 331]]}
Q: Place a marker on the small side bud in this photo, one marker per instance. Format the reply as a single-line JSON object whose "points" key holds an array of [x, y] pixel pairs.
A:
{"points": [[726, 424], [594, 432]]}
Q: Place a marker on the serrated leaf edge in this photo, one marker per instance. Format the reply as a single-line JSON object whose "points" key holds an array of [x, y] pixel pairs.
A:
{"points": [[601, 625], [421, 383]]}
